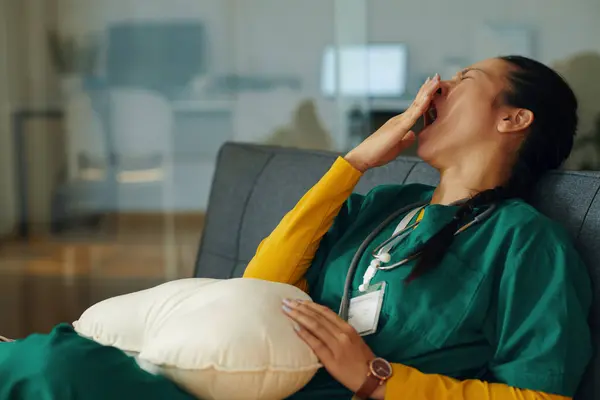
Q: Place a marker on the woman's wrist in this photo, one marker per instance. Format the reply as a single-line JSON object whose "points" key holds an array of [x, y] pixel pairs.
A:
{"points": [[356, 162], [379, 393]]}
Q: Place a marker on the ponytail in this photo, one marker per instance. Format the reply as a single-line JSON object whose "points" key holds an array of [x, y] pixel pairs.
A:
{"points": [[432, 251]]}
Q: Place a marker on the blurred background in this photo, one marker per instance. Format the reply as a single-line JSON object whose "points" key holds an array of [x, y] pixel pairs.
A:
{"points": [[113, 112]]}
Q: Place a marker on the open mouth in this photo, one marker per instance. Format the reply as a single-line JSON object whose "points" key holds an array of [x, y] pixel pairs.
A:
{"points": [[430, 115]]}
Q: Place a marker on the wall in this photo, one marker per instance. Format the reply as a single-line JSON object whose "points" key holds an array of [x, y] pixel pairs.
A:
{"points": [[275, 38], [561, 28]]}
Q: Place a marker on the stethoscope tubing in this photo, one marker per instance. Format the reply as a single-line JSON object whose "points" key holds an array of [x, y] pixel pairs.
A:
{"points": [[345, 303]]}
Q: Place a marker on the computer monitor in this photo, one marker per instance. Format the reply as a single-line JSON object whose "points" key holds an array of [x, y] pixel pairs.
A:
{"points": [[372, 70], [164, 56]]}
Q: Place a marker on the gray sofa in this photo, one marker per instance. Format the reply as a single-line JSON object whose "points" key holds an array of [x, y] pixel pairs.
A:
{"points": [[254, 186]]}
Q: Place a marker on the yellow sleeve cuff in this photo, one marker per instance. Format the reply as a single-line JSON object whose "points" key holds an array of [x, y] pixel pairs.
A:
{"points": [[342, 169], [409, 383]]}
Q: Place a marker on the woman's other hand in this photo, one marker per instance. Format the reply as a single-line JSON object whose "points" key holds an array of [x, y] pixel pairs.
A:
{"points": [[395, 135], [340, 349]]}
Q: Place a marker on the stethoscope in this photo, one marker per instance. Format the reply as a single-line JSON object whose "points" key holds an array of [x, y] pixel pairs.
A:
{"points": [[382, 257]]}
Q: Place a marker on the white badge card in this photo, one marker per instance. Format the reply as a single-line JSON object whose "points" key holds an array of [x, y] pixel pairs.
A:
{"points": [[365, 308]]}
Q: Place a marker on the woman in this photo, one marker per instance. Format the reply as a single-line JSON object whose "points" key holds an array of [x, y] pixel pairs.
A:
{"points": [[497, 310]]}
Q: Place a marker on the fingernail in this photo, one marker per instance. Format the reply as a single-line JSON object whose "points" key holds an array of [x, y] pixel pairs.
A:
{"points": [[428, 79], [436, 77], [289, 302], [286, 309], [297, 327]]}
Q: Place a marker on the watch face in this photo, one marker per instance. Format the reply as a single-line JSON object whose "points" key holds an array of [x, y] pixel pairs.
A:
{"points": [[381, 368]]}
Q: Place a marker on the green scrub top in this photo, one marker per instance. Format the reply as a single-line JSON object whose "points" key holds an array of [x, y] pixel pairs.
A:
{"points": [[508, 303]]}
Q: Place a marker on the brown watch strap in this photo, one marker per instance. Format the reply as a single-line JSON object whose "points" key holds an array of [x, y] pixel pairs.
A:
{"points": [[367, 388]]}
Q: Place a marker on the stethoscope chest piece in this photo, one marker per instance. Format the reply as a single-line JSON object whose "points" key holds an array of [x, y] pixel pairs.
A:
{"points": [[384, 257]]}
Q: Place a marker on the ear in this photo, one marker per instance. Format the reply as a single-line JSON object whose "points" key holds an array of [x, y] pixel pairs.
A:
{"points": [[515, 120]]}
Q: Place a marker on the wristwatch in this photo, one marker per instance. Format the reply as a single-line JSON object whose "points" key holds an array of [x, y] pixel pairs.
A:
{"points": [[379, 371]]}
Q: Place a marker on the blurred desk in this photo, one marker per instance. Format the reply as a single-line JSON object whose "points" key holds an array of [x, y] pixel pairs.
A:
{"points": [[200, 128]]}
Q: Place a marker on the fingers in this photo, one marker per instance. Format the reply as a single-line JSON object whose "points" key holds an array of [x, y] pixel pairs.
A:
{"points": [[322, 323], [339, 348], [429, 87], [321, 350], [422, 100], [328, 315], [407, 120], [310, 320], [426, 93]]}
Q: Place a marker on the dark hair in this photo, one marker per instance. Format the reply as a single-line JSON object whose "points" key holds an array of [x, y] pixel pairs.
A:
{"points": [[536, 87]]}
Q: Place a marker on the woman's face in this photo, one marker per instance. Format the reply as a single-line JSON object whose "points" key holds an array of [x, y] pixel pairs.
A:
{"points": [[469, 112]]}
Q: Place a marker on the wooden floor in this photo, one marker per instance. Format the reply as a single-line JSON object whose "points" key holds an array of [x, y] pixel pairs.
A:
{"points": [[49, 279]]}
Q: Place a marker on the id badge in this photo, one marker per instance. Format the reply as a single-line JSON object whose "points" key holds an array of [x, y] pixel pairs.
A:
{"points": [[365, 309]]}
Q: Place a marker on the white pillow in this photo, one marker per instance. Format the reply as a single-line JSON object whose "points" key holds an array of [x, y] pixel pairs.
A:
{"points": [[217, 339]]}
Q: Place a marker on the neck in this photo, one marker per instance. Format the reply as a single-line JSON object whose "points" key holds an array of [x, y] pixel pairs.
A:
{"points": [[465, 181]]}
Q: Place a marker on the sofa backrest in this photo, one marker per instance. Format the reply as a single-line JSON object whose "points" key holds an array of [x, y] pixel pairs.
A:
{"points": [[254, 186]]}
